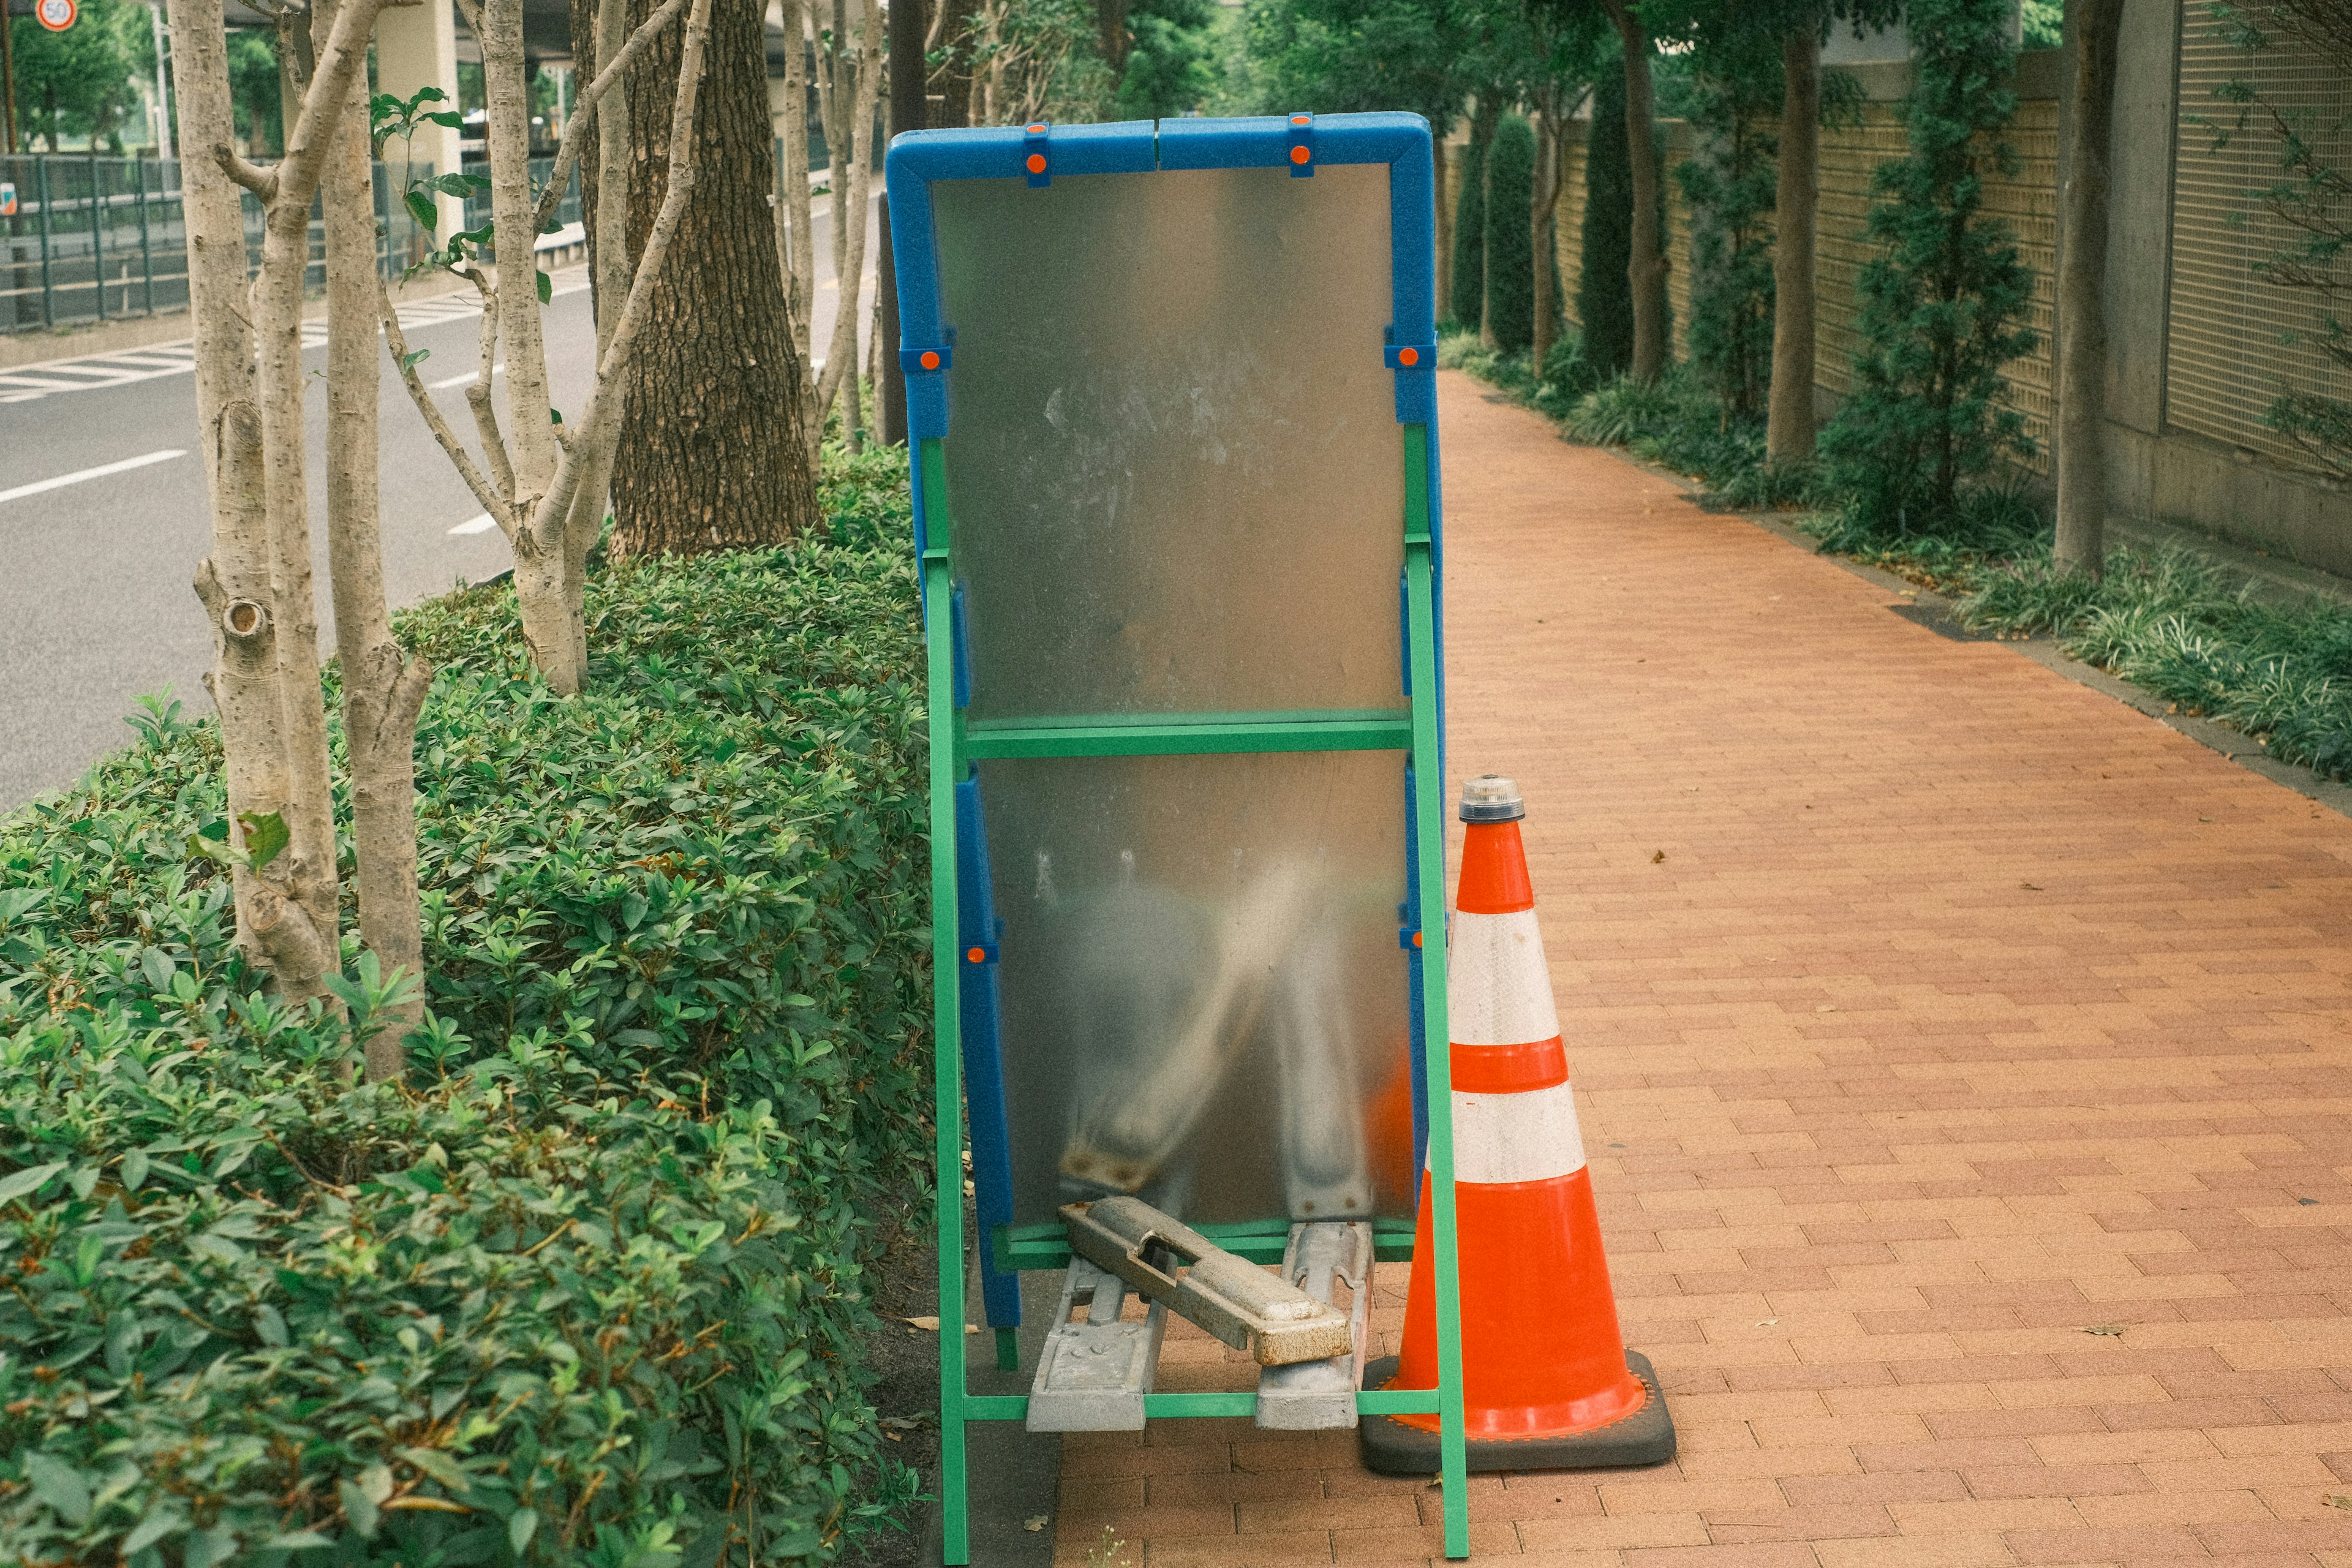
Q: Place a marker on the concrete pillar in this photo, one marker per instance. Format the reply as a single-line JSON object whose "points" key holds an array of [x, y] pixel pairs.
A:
{"points": [[416, 46]]}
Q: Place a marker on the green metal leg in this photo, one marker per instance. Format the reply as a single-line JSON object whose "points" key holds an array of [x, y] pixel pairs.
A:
{"points": [[955, 1528], [1428, 784], [1008, 1350]]}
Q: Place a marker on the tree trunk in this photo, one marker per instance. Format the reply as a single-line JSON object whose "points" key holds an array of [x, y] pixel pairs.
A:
{"points": [[908, 111], [544, 592], [798, 234], [1544, 233], [1486, 337], [384, 689], [257, 584], [1110, 21], [2092, 26], [712, 451], [858, 78], [604, 192], [1788, 420], [955, 81], [1645, 267]]}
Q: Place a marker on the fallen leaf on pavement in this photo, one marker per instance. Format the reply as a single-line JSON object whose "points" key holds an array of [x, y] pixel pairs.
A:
{"points": [[1033, 1523]]}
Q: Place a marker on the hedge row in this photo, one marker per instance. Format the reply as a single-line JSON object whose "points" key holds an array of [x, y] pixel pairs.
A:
{"points": [[586, 1288]]}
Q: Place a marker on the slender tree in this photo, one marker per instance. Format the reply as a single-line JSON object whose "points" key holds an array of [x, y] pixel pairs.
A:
{"points": [[384, 686], [534, 479], [2092, 28], [256, 584]]}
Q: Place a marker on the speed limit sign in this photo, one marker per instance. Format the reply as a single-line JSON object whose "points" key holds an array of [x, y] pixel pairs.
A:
{"points": [[56, 15]]}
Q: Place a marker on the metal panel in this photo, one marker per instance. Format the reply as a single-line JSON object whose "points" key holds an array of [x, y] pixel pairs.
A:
{"points": [[1173, 459], [2237, 343], [1204, 995]]}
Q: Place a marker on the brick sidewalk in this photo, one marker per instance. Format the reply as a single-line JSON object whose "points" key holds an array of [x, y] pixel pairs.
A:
{"points": [[1969, 1011]]}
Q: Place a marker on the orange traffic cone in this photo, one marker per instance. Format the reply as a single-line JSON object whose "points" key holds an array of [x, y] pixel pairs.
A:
{"points": [[1548, 1383]]}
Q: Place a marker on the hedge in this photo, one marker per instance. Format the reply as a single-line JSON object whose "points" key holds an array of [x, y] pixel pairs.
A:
{"points": [[586, 1288]]}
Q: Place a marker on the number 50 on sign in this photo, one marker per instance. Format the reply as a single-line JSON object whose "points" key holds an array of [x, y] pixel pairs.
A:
{"points": [[56, 15]]}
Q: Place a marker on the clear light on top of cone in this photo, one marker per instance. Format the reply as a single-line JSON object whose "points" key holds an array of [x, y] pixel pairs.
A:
{"points": [[1491, 797]]}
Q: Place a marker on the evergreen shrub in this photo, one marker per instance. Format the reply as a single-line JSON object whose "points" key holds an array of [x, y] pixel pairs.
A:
{"points": [[1943, 299], [1469, 303], [1510, 264], [1604, 297], [584, 1289]]}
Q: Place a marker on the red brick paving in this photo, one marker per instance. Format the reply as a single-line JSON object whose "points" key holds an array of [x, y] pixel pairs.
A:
{"points": [[1967, 1010]]}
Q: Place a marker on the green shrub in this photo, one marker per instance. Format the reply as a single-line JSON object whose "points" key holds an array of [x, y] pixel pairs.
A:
{"points": [[586, 1289], [1942, 300], [1469, 301], [2184, 630], [1511, 318], [1730, 181], [1605, 296]]}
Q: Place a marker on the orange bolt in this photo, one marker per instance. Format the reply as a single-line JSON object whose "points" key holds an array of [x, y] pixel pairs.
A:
{"points": [[1300, 119], [978, 955], [1037, 130], [930, 358], [1416, 938], [1036, 163], [1409, 356], [1298, 154]]}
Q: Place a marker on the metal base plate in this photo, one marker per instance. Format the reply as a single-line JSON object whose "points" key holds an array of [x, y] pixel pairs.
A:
{"points": [[1390, 1447]]}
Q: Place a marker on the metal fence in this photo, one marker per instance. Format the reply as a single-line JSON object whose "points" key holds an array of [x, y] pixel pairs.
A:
{"points": [[95, 240]]}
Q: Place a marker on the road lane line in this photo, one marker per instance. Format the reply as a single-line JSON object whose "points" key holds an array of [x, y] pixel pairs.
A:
{"points": [[480, 524], [98, 473], [465, 380]]}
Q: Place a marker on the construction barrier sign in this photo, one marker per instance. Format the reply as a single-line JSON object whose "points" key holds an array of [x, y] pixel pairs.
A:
{"points": [[7, 199]]}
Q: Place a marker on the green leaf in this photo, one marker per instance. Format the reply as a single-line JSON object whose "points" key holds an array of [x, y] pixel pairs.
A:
{"points": [[414, 358], [133, 1175], [448, 117], [59, 1485], [159, 1523], [266, 836], [207, 1547], [546, 287], [521, 1526], [421, 208], [358, 1509], [297, 1541], [25, 1183]]}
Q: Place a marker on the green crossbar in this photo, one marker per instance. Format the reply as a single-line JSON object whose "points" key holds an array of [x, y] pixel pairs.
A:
{"points": [[1189, 734], [1032, 1246], [1234, 1402]]}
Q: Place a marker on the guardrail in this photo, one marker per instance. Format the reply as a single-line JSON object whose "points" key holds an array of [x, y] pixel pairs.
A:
{"points": [[86, 238]]}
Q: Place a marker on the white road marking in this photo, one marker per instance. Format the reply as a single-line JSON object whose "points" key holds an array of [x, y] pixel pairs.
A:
{"points": [[465, 380], [98, 473], [482, 524], [29, 384]]}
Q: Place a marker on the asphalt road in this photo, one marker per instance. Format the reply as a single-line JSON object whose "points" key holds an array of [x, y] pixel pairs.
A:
{"points": [[95, 598]]}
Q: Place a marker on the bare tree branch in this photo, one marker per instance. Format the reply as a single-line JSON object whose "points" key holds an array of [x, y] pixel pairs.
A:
{"points": [[397, 340], [262, 182], [568, 152]]}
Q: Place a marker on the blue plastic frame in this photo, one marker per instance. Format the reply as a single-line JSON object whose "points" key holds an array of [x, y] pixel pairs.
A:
{"points": [[1037, 154]]}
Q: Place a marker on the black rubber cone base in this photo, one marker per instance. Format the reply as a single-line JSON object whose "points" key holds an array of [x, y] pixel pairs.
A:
{"points": [[1390, 1447]]}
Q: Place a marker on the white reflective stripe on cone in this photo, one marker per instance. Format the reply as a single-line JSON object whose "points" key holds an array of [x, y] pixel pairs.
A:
{"points": [[1530, 1136], [1497, 991]]}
